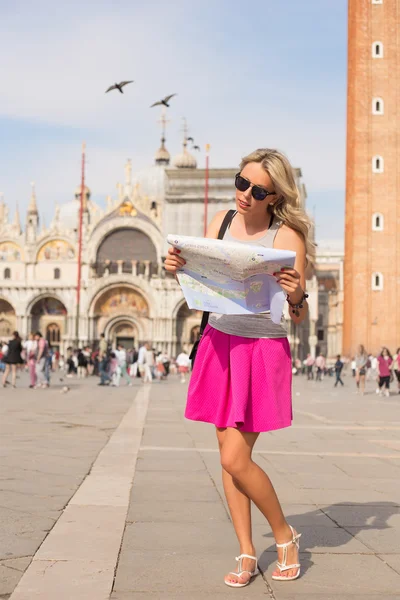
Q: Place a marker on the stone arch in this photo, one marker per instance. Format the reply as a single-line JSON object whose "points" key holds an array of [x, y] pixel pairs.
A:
{"points": [[55, 249], [117, 304], [10, 251], [126, 248], [48, 313], [121, 329], [108, 227], [187, 322], [8, 319]]}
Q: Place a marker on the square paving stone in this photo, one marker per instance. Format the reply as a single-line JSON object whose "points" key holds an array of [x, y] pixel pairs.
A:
{"points": [[381, 541], [85, 533], [364, 515], [198, 478], [183, 463], [393, 560], [180, 575], [339, 576], [323, 540], [179, 491], [153, 511], [81, 580], [188, 538], [298, 515]]}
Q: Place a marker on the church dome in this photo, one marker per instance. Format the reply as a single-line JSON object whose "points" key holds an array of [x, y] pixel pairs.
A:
{"points": [[185, 161], [77, 192], [162, 156], [69, 214]]}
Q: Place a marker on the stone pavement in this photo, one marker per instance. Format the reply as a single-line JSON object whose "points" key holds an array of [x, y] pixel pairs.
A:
{"points": [[336, 472]]}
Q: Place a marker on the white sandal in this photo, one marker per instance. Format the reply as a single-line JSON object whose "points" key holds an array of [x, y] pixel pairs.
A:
{"points": [[283, 566], [240, 571]]}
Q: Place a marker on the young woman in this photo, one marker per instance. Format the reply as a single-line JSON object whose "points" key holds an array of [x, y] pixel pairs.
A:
{"points": [[361, 368], [396, 363], [12, 359], [241, 381], [384, 365]]}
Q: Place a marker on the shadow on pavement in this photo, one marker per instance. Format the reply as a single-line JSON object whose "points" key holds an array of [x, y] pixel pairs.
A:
{"points": [[316, 535]]}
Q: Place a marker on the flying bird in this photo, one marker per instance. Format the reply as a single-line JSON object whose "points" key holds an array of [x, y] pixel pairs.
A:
{"points": [[190, 139], [118, 86], [164, 101], [196, 148]]}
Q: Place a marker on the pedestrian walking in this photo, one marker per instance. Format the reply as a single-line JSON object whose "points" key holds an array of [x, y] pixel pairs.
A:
{"points": [[320, 363], [30, 347], [396, 363], [242, 375], [183, 363], [385, 361], [146, 363], [122, 370], [361, 368], [41, 356], [82, 364], [12, 359], [353, 366], [338, 370], [309, 362]]}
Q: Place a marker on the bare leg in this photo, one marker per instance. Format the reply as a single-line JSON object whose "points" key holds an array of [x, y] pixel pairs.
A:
{"points": [[13, 375], [236, 460], [240, 509], [362, 383], [6, 374]]}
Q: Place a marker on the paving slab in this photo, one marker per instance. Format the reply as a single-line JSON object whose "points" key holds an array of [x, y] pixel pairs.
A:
{"points": [[336, 473], [327, 574]]}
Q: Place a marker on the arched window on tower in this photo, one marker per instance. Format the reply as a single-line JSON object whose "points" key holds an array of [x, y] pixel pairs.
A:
{"points": [[377, 222], [377, 50], [378, 106], [377, 282], [377, 164], [57, 273], [7, 273]]}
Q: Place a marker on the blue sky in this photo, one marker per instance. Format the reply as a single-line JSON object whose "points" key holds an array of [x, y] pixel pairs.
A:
{"points": [[264, 73]]}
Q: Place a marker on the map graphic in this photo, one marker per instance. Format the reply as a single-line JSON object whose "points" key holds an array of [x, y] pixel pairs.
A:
{"points": [[231, 278]]}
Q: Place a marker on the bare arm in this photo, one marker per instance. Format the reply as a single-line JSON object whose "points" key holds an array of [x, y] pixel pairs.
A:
{"points": [[293, 281]]}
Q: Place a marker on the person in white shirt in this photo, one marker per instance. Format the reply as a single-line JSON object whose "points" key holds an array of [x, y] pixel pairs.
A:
{"points": [[145, 362], [183, 363], [120, 354]]}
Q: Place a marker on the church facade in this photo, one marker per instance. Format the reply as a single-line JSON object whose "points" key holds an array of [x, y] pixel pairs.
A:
{"points": [[125, 291]]}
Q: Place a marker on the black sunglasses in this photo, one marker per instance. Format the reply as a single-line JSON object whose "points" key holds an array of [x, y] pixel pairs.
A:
{"points": [[258, 192]]}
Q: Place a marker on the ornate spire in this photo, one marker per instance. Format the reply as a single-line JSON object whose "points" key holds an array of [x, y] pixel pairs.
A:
{"points": [[2, 208], [128, 172], [162, 155], [32, 208], [185, 160], [17, 220]]}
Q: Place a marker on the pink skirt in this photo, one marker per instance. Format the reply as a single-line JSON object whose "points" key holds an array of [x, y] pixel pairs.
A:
{"points": [[241, 382]]}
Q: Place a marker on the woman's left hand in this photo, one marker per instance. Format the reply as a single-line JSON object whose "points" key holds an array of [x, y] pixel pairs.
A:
{"points": [[289, 279]]}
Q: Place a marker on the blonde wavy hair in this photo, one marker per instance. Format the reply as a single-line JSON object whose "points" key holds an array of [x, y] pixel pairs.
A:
{"points": [[288, 207]]}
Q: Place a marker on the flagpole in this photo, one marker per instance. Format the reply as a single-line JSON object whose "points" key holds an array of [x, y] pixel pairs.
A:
{"points": [[78, 286], [207, 174]]}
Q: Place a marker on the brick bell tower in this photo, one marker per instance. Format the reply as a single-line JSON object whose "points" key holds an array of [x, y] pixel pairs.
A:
{"points": [[372, 237]]}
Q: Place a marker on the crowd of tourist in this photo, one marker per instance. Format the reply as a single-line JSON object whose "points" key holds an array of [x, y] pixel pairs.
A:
{"points": [[36, 356], [40, 360], [383, 368]]}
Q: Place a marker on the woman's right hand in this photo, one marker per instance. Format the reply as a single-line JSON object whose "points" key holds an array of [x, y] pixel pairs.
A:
{"points": [[173, 262]]}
